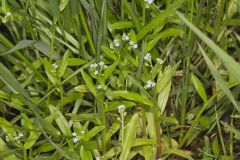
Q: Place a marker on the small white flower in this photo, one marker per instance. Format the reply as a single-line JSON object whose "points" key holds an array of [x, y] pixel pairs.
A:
{"points": [[135, 46], [99, 87], [4, 20], [7, 138], [96, 72], [105, 66], [159, 60], [121, 107], [82, 132], [101, 63], [116, 43], [20, 135], [74, 134], [150, 84], [98, 158], [8, 14], [131, 43], [125, 37], [148, 56], [153, 84], [16, 138], [94, 65], [111, 46], [149, 1], [75, 140], [55, 65]]}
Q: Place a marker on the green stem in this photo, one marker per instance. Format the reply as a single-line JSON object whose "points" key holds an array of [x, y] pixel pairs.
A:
{"points": [[52, 42]]}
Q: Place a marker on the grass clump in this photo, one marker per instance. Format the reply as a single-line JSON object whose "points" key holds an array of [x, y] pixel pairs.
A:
{"points": [[107, 79]]}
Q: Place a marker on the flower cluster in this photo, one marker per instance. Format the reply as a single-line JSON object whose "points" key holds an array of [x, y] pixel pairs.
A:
{"points": [[15, 136], [125, 37], [75, 137], [98, 67], [150, 84], [116, 43], [7, 17]]}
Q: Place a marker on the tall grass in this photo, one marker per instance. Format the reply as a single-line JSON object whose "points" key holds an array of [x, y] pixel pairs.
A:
{"points": [[108, 79]]}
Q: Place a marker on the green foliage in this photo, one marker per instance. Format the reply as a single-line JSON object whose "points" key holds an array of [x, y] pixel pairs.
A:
{"points": [[108, 79]]}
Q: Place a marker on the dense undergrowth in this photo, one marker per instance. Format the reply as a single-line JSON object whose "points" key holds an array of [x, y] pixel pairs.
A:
{"points": [[119, 79]]}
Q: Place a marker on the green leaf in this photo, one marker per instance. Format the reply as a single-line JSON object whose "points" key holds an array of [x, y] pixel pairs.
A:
{"points": [[63, 4], [215, 147], [133, 96], [21, 45], [34, 133], [121, 25], [108, 71], [220, 81], [167, 75], [129, 137], [61, 121], [166, 33], [53, 9], [163, 97], [93, 132], [109, 53], [89, 83], [84, 155], [178, 152], [199, 87], [5, 152], [64, 63], [159, 19], [113, 129]]}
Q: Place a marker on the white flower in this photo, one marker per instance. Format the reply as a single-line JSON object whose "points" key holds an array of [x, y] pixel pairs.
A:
{"points": [[131, 43], [148, 56], [74, 134], [125, 37], [112, 46], [121, 107], [75, 140], [4, 20], [82, 132], [159, 60], [7, 138], [99, 86], [149, 1], [101, 63], [55, 65], [96, 72], [116, 42], [20, 135], [8, 14], [94, 65], [105, 66], [135, 46], [98, 158], [150, 84]]}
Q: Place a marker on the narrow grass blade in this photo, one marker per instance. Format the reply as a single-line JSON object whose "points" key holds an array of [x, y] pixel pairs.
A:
{"points": [[178, 152], [220, 81], [232, 66]]}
